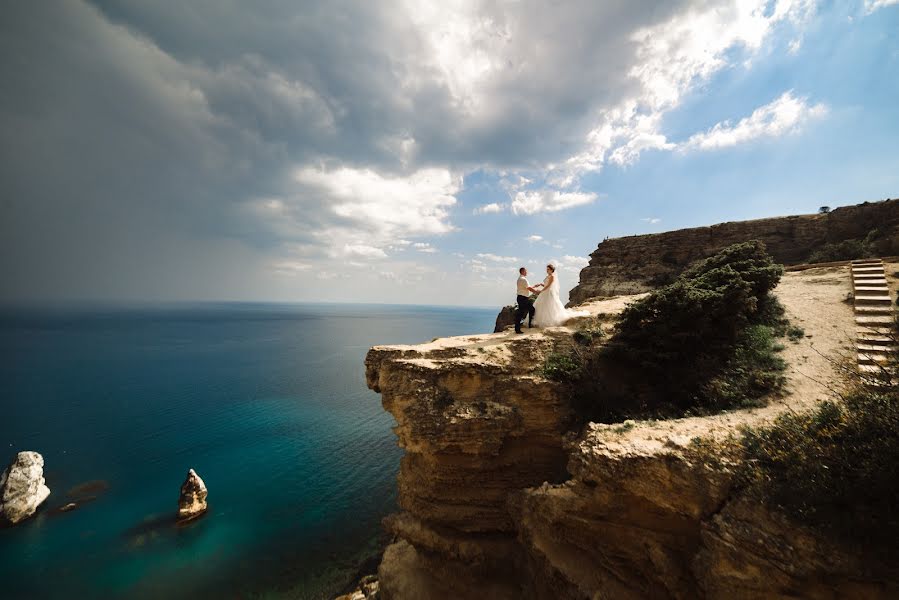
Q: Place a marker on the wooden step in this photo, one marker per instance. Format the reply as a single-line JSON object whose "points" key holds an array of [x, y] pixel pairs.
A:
{"points": [[867, 261], [874, 309], [874, 299], [867, 346], [871, 288], [867, 268], [874, 320], [869, 275], [876, 340], [875, 330], [872, 358]]}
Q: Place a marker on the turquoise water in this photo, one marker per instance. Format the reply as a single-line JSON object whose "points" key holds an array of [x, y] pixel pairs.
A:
{"points": [[267, 402]]}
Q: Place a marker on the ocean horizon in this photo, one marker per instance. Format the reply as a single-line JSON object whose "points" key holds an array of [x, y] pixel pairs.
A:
{"points": [[266, 401]]}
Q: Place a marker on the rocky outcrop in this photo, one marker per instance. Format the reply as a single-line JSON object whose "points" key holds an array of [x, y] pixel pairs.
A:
{"points": [[367, 589], [192, 502], [647, 515], [476, 424], [499, 501], [638, 263], [505, 319], [22, 487]]}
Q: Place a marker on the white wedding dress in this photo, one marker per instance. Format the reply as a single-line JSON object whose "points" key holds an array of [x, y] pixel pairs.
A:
{"points": [[548, 307]]}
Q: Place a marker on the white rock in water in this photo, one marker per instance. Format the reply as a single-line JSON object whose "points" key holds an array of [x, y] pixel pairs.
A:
{"points": [[192, 502], [22, 487]]}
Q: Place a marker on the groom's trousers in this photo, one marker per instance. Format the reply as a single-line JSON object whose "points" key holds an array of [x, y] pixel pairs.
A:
{"points": [[525, 307]]}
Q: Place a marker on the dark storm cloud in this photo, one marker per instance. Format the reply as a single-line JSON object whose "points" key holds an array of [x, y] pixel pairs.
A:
{"points": [[133, 132]]}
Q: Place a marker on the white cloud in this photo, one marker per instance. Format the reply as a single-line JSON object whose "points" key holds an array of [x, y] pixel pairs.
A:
{"points": [[396, 206], [288, 267], [672, 58], [534, 238], [498, 259], [363, 251], [424, 247], [784, 115], [652, 220], [575, 261], [491, 208], [548, 200], [872, 5]]}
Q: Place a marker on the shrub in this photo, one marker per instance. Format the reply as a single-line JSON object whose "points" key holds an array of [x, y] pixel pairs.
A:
{"points": [[847, 249], [833, 468], [704, 342], [824, 210], [561, 367]]}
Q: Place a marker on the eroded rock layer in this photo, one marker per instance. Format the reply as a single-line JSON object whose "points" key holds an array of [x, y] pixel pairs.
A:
{"points": [[500, 501], [637, 263]]}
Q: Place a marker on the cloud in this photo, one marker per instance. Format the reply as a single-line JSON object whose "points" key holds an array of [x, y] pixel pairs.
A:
{"points": [[174, 143], [291, 267], [872, 5], [651, 220], [498, 259], [782, 116], [491, 208], [363, 251], [548, 200], [672, 57], [424, 247], [385, 206], [534, 238], [578, 262]]}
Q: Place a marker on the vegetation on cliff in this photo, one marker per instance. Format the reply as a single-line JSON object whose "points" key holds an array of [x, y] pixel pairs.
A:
{"points": [[851, 249], [703, 343], [834, 468]]}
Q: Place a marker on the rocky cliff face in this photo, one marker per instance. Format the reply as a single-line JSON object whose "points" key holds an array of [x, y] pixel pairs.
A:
{"points": [[638, 263], [500, 500], [476, 425]]}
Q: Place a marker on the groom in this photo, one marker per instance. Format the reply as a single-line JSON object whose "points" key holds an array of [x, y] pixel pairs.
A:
{"points": [[525, 306]]}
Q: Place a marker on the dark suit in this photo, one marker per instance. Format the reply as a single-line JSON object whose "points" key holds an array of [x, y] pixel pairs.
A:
{"points": [[525, 306]]}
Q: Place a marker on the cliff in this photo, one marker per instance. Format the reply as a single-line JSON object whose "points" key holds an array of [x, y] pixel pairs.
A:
{"points": [[638, 263], [500, 497]]}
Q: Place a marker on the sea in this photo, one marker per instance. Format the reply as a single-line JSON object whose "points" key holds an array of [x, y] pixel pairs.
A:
{"points": [[267, 402]]}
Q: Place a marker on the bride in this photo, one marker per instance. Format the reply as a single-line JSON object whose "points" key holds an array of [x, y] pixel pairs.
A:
{"points": [[549, 308]]}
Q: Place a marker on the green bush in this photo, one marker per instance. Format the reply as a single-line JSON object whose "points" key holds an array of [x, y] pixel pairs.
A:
{"points": [[847, 249], [561, 367], [834, 468], [704, 342]]}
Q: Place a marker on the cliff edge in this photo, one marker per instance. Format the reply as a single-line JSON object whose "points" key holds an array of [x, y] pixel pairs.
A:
{"points": [[501, 498]]}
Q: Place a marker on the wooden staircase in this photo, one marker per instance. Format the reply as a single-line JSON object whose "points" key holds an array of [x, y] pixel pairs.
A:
{"points": [[875, 322]]}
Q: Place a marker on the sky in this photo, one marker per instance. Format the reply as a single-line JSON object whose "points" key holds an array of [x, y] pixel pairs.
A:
{"points": [[416, 152]]}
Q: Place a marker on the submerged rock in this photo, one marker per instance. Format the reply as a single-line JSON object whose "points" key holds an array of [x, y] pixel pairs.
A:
{"points": [[192, 502], [22, 487]]}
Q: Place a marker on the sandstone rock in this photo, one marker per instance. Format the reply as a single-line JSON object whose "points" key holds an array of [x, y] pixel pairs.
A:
{"points": [[68, 507], [748, 551], [368, 589], [499, 501], [192, 502], [505, 319], [637, 263], [22, 487]]}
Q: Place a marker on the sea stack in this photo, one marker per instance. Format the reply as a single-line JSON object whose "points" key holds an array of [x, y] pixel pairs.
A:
{"points": [[22, 487], [192, 502]]}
